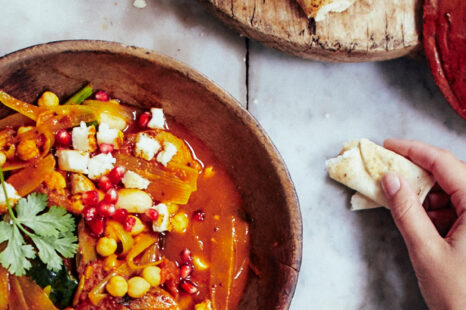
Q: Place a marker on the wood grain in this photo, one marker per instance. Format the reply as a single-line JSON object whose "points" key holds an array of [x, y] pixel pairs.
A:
{"points": [[369, 30]]}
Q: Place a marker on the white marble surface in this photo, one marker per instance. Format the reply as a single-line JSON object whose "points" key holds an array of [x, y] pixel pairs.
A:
{"points": [[351, 260]]}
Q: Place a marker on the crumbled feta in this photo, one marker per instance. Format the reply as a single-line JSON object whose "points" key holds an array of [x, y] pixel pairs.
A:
{"points": [[169, 150], [83, 138], [73, 161], [13, 196], [99, 165], [108, 135], [146, 147], [158, 119], [161, 224], [133, 180]]}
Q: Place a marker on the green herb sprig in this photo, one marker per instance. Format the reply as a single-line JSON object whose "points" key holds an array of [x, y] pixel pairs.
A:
{"points": [[52, 232]]}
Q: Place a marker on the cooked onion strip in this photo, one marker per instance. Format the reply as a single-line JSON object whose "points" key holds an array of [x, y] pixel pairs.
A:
{"points": [[24, 108], [28, 179], [142, 242], [114, 229]]}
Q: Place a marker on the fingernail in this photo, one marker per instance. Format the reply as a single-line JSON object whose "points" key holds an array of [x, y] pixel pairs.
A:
{"points": [[390, 184]]}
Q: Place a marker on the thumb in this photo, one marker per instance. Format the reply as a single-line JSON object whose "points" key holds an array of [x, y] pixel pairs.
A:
{"points": [[415, 226]]}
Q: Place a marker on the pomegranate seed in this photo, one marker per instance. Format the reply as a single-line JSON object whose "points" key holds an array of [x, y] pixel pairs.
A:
{"points": [[129, 223], [63, 138], [90, 198], [199, 216], [120, 215], [89, 213], [189, 287], [111, 196], [152, 214], [97, 225], [106, 209], [116, 174], [185, 271], [144, 119], [104, 183], [105, 148], [101, 95], [186, 256]]}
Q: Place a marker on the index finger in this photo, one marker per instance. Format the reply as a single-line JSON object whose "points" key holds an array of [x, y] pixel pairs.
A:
{"points": [[448, 171]]}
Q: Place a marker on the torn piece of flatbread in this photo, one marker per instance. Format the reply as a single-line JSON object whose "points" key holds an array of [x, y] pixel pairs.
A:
{"points": [[361, 166], [318, 9]]}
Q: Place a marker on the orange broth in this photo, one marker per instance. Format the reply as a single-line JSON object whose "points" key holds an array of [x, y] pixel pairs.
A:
{"points": [[221, 240]]}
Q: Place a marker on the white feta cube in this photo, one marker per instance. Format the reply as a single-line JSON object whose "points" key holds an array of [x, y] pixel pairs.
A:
{"points": [[13, 196], [161, 224], [169, 150], [133, 180], [158, 119], [73, 161], [146, 147], [100, 165], [108, 135], [82, 136]]}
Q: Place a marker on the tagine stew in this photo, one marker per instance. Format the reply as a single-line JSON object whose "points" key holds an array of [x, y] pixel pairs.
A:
{"points": [[105, 206]]}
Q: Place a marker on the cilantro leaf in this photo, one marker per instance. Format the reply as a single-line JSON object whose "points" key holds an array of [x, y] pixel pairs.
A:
{"points": [[51, 246], [51, 231], [51, 223], [31, 205], [16, 254]]}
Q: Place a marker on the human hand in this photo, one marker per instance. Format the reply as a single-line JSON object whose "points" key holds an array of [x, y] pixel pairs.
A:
{"points": [[439, 263]]}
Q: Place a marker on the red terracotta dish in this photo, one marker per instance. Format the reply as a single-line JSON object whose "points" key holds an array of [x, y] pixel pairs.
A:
{"points": [[445, 46]]}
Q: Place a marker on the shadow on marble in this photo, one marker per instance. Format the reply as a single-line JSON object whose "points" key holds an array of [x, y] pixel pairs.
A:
{"points": [[414, 81], [391, 282]]}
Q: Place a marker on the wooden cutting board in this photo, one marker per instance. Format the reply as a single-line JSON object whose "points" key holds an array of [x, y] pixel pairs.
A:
{"points": [[369, 30]]}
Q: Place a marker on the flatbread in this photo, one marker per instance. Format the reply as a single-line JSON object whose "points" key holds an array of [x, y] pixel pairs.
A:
{"points": [[318, 9], [361, 166]]}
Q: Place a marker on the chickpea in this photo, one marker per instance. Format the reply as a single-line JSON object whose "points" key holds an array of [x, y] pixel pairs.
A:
{"points": [[138, 226], [152, 275], [137, 287], [27, 149], [106, 246], [117, 286], [48, 99]]}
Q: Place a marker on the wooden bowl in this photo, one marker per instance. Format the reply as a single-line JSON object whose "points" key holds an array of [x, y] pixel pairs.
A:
{"points": [[143, 78]]}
